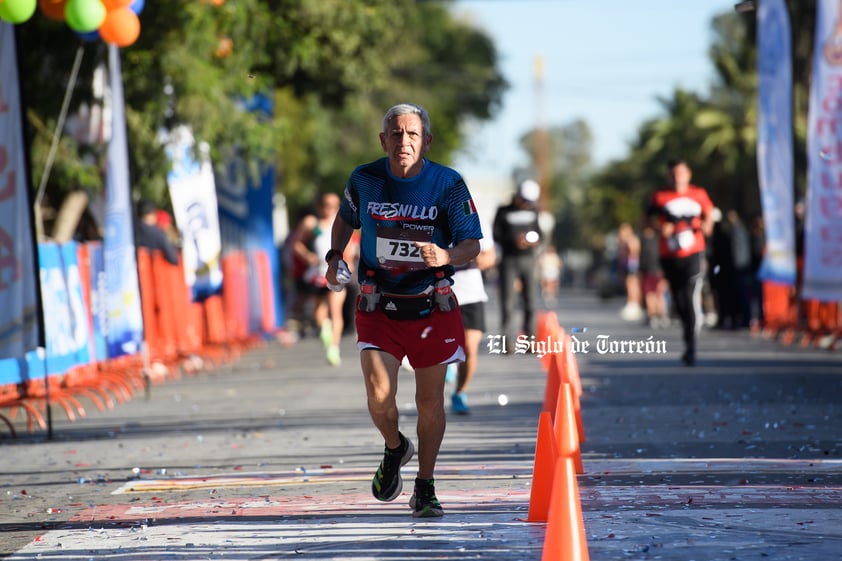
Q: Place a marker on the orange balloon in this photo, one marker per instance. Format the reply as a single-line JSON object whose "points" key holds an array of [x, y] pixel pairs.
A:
{"points": [[114, 4], [121, 27], [53, 9]]}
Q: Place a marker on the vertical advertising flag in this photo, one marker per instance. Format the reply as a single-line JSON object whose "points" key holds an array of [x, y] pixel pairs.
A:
{"points": [[19, 326], [774, 140], [823, 225], [193, 196], [67, 336], [246, 202], [125, 321]]}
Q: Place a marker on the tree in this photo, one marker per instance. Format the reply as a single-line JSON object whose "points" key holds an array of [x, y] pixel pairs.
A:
{"points": [[330, 68]]}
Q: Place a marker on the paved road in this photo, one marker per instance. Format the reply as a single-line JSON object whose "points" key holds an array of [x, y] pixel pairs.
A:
{"points": [[271, 458]]}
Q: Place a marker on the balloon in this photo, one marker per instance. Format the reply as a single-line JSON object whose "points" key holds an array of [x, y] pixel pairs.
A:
{"points": [[53, 9], [84, 15], [121, 27], [114, 4], [17, 11], [136, 6]]}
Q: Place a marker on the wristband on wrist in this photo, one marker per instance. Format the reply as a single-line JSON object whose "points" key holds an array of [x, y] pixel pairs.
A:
{"points": [[331, 254]]}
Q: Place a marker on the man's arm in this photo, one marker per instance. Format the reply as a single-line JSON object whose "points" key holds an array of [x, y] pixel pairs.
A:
{"points": [[340, 234], [460, 254], [463, 252]]}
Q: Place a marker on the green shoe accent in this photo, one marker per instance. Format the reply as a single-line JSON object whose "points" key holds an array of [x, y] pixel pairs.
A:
{"points": [[333, 355], [387, 483], [326, 334], [424, 503]]}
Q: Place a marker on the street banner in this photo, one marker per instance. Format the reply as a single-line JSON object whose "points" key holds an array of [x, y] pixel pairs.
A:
{"points": [[246, 203], [193, 196], [97, 298], [19, 325], [823, 225], [125, 320], [774, 141], [67, 335]]}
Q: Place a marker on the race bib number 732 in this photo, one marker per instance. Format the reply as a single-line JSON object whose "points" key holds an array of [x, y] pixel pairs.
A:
{"points": [[397, 249]]}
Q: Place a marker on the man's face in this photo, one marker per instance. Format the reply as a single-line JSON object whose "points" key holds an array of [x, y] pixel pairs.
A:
{"points": [[679, 176], [405, 145]]}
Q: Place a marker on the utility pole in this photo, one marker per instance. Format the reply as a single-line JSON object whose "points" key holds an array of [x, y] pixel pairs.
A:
{"points": [[541, 148]]}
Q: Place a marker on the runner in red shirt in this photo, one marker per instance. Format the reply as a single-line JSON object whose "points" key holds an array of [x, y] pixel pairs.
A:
{"points": [[683, 213]]}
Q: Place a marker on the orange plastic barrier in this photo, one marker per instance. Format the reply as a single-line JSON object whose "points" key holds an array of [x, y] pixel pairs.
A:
{"points": [[778, 313], [786, 316], [177, 333], [235, 295], [267, 294]]}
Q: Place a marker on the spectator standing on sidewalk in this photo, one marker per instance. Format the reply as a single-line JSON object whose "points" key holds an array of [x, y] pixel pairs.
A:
{"points": [[683, 214], [469, 287], [150, 235], [517, 232], [417, 222]]}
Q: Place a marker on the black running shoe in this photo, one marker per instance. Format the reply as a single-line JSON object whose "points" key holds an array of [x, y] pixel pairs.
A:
{"points": [[387, 483], [424, 503]]}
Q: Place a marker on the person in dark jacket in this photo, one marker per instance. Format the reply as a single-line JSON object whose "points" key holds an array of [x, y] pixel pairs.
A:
{"points": [[517, 232], [150, 235]]}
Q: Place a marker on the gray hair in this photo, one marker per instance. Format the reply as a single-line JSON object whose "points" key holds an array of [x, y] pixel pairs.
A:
{"points": [[408, 109]]}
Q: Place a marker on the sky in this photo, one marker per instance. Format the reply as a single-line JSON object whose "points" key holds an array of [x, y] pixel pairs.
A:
{"points": [[605, 62]]}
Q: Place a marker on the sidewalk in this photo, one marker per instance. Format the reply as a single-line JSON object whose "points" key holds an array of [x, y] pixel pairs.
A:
{"points": [[272, 457]]}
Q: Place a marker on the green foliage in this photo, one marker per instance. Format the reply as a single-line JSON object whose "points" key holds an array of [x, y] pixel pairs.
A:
{"points": [[330, 67]]}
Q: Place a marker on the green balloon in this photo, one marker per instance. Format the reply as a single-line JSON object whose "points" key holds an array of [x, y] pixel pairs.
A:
{"points": [[84, 16], [17, 11]]}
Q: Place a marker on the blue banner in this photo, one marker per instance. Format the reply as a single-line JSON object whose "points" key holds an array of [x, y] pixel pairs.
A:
{"points": [[193, 197], [823, 227], [245, 218], [774, 141], [125, 319], [66, 326], [19, 326], [98, 298]]}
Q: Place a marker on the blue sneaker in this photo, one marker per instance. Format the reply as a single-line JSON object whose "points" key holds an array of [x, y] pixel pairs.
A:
{"points": [[459, 404]]}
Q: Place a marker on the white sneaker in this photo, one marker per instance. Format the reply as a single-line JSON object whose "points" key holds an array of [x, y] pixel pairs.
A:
{"points": [[631, 312]]}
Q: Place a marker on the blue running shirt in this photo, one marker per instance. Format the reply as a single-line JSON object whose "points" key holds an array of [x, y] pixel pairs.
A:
{"points": [[393, 213]]}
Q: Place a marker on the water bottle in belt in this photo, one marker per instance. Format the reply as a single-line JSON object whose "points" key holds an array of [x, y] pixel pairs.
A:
{"points": [[369, 293], [443, 294]]}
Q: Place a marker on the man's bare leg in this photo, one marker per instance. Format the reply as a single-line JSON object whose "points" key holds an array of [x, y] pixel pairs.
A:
{"points": [[380, 371], [429, 400]]}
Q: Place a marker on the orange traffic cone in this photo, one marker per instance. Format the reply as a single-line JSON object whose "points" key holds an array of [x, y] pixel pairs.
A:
{"points": [[543, 470], [554, 378], [546, 327], [566, 433], [571, 366], [571, 374], [565, 537]]}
